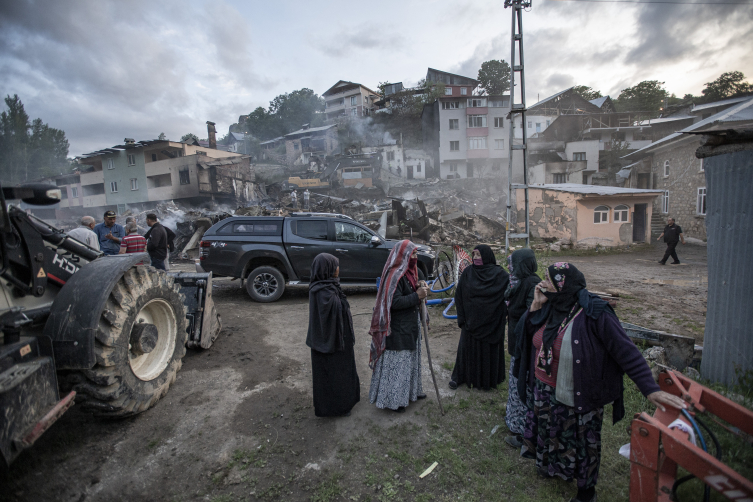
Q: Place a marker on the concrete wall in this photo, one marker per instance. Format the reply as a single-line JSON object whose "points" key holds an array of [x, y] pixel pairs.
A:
{"points": [[552, 214], [684, 180], [172, 167], [591, 148], [122, 173], [611, 233]]}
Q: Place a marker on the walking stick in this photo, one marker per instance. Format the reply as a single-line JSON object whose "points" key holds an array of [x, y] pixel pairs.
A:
{"points": [[428, 353]]}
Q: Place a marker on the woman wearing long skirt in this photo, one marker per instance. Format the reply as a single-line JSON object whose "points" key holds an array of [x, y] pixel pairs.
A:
{"points": [[575, 362], [519, 296], [395, 355], [482, 315], [331, 338]]}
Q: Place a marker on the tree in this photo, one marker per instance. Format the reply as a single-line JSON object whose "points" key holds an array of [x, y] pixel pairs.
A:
{"points": [[162, 136], [648, 96], [187, 138], [586, 92], [730, 84], [494, 76], [29, 150]]}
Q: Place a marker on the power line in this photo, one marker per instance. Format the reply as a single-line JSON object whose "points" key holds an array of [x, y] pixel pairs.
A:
{"points": [[676, 2]]}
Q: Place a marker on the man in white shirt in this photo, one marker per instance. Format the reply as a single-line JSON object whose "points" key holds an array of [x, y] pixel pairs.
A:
{"points": [[85, 234]]}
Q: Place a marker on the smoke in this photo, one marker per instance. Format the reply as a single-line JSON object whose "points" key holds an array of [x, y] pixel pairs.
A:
{"points": [[368, 132]]}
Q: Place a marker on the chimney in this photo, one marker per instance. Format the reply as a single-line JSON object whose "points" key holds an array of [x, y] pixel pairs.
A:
{"points": [[212, 132], [129, 141]]}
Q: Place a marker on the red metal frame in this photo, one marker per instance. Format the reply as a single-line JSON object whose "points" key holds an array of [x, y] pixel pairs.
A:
{"points": [[656, 450], [46, 421]]}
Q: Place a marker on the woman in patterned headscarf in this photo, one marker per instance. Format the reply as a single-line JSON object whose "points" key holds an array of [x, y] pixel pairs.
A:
{"points": [[519, 297], [395, 355], [574, 356]]}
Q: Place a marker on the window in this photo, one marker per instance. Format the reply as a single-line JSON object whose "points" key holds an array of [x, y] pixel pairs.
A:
{"points": [[448, 91], [701, 201], [453, 167], [114, 187], [530, 124], [353, 100], [499, 122], [701, 169], [463, 91], [499, 144], [559, 178], [311, 229], [476, 102], [258, 228], [579, 156], [665, 202], [134, 184], [621, 213], [347, 232], [538, 126], [295, 146], [666, 168], [477, 143], [418, 168], [154, 157], [110, 164], [454, 124], [390, 155], [601, 214], [131, 159], [450, 105], [476, 120], [355, 112], [454, 146], [185, 177], [497, 103], [74, 192]]}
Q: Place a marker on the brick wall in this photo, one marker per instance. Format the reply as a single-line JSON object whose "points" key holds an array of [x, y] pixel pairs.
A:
{"points": [[684, 180]]}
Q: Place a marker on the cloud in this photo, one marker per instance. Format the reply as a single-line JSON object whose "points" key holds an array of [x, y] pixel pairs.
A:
{"points": [[365, 37]]}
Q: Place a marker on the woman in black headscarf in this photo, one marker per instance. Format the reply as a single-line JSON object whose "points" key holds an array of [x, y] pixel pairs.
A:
{"points": [[519, 297], [573, 356], [482, 313], [331, 338]]}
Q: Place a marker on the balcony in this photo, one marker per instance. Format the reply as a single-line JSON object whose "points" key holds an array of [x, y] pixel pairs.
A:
{"points": [[477, 154], [477, 110], [477, 131]]}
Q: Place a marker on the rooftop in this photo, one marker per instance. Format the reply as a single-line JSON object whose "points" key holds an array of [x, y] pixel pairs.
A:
{"points": [[310, 130], [723, 102], [595, 189], [599, 101]]}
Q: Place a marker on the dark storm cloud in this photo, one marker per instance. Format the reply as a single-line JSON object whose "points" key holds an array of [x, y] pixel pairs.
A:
{"points": [[364, 37], [102, 70]]}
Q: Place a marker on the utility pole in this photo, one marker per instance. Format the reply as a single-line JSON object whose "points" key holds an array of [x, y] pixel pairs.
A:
{"points": [[517, 109]]}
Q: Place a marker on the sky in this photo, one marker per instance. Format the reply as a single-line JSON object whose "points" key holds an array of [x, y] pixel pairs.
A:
{"points": [[103, 71]]}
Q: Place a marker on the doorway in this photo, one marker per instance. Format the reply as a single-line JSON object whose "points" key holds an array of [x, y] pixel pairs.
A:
{"points": [[469, 170], [410, 172], [639, 223]]}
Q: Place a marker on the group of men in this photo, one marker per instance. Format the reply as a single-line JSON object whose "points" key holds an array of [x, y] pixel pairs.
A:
{"points": [[294, 197], [112, 238]]}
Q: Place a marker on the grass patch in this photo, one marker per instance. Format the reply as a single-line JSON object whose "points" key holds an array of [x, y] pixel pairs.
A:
{"points": [[328, 490]]}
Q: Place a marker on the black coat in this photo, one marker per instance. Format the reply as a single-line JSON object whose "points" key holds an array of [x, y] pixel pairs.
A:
{"points": [[480, 303], [403, 318]]}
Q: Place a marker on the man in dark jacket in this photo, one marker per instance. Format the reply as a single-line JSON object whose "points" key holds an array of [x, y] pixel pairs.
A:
{"points": [[156, 241], [672, 235]]}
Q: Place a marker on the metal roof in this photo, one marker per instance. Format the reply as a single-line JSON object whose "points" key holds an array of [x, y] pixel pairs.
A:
{"points": [[671, 118], [723, 102], [310, 130], [599, 101], [596, 189], [550, 97], [742, 108]]}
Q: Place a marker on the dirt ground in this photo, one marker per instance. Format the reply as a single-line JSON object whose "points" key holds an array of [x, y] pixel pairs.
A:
{"points": [[238, 423]]}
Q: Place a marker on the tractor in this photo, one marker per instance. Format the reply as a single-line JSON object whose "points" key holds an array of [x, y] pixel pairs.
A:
{"points": [[106, 332]]}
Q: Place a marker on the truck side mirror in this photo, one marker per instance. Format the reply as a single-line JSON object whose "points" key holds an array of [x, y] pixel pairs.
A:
{"points": [[375, 240]]}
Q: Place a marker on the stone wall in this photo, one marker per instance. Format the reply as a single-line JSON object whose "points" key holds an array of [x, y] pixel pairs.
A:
{"points": [[684, 180]]}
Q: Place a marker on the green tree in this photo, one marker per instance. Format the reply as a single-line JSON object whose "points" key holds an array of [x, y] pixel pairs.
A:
{"points": [[730, 84], [29, 150], [586, 92], [647, 96], [297, 108], [494, 76], [187, 138], [162, 136]]}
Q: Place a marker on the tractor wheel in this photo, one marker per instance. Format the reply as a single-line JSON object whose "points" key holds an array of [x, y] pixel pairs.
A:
{"points": [[139, 345]]}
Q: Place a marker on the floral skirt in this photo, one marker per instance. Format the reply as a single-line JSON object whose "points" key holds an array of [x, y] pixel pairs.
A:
{"points": [[515, 417], [567, 444], [397, 378]]}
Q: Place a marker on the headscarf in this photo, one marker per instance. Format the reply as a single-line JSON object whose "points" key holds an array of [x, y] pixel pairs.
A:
{"points": [[479, 299], [398, 264], [522, 266], [329, 311]]}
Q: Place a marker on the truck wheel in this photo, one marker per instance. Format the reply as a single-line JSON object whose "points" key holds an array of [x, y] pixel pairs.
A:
{"points": [[265, 284], [139, 345]]}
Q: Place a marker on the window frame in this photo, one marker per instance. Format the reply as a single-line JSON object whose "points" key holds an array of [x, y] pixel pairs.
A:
{"points": [[456, 123], [453, 167], [456, 145], [113, 187], [110, 163], [354, 100], [362, 232], [74, 192], [621, 213], [477, 143], [701, 169], [665, 202], [134, 183], [579, 159], [305, 222], [603, 213], [556, 176], [665, 170], [497, 143], [180, 176], [463, 91], [701, 200], [131, 159], [499, 122], [480, 118], [450, 105], [448, 91], [471, 103]]}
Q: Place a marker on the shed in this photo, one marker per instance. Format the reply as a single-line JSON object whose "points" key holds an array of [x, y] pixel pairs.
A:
{"points": [[589, 215]]}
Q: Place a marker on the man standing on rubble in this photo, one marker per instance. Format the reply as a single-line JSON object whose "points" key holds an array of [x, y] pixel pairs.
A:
{"points": [[672, 235], [109, 234], [294, 196], [85, 234], [156, 238], [306, 200]]}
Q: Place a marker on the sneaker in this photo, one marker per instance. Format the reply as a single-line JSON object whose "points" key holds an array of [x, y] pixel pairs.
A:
{"points": [[513, 441], [453, 385], [661, 263], [421, 396], [675, 263]]}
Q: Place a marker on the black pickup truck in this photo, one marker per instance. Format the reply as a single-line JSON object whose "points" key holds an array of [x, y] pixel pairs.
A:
{"points": [[270, 252]]}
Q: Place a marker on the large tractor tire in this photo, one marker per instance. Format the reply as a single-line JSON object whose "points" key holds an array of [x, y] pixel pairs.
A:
{"points": [[139, 345]]}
